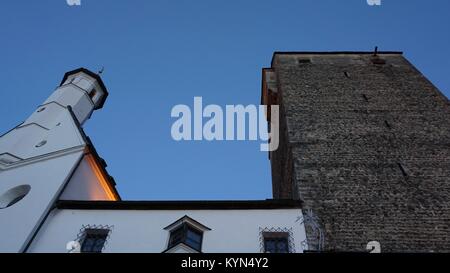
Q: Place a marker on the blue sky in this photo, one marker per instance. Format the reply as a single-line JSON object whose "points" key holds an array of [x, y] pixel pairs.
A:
{"points": [[161, 53]]}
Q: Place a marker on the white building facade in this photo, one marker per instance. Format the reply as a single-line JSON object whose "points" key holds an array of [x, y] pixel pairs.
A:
{"points": [[57, 196]]}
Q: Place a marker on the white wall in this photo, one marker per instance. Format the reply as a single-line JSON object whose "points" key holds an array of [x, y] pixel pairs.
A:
{"points": [[46, 178], [21, 142], [84, 185], [143, 230]]}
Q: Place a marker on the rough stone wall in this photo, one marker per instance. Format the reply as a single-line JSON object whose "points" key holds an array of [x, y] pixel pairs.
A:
{"points": [[370, 150]]}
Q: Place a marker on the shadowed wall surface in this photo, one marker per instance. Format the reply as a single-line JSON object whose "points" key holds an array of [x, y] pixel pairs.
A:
{"points": [[365, 143]]}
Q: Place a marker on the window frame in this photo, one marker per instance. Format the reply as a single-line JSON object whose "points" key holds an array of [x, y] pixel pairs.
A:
{"points": [[104, 232], [93, 93], [194, 225], [271, 232], [276, 236], [184, 228]]}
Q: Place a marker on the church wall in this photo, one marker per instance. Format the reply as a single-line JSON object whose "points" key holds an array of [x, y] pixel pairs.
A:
{"points": [[143, 230], [46, 180]]}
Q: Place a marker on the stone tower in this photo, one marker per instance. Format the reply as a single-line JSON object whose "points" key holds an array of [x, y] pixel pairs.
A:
{"points": [[49, 158], [365, 143]]}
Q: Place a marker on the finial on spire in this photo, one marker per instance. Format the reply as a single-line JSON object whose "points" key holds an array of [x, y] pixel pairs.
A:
{"points": [[101, 70]]}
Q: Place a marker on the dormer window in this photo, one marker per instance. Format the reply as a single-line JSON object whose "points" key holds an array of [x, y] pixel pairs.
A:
{"points": [[185, 236]]}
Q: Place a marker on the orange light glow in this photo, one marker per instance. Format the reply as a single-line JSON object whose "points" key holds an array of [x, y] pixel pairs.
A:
{"points": [[101, 178]]}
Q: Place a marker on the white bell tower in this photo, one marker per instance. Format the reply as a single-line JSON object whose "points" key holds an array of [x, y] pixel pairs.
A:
{"points": [[48, 157]]}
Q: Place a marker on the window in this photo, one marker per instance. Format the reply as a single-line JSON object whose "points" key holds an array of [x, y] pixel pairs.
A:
{"points": [[15, 200], [304, 61], [276, 242], [388, 125], [13, 196], [93, 93], [188, 235], [185, 236], [94, 240], [378, 61], [365, 97], [40, 144]]}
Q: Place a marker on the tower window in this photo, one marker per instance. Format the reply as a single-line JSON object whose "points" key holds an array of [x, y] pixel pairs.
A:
{"points": [[388, 125], [304, 61], [94, 240], [276, 242], [378, 61], [187, 235], [93, 93], [13, 196], [403, 170], [15, 200], [40, 144]]}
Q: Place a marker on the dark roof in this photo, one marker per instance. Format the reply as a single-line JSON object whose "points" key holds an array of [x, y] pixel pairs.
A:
{"points": [[333, 53], [185, 245], [93, 75], [187, 219], [180, 205]]}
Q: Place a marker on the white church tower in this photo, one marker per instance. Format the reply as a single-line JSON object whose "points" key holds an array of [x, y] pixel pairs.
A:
{"points": [[48, 158]]}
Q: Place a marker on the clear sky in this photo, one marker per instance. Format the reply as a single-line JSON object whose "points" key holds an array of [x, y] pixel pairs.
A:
{"points": [[161, 53]]}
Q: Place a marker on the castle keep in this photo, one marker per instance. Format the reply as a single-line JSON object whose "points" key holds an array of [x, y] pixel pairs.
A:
{"points": [[365, 144]]}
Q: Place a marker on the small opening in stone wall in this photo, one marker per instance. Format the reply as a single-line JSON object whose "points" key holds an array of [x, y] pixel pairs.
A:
{"points": [[388, 125], [402, 169], [304, 61], [365, 97], [378, 61], [347, 75]]}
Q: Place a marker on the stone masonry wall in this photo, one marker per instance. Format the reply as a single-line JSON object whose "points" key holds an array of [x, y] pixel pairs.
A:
{"points": [[367, 147]]}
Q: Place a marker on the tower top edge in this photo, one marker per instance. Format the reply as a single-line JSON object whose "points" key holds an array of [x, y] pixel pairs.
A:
{"points": [[93, 75]]}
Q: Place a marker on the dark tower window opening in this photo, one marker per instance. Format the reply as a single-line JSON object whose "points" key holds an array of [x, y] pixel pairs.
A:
{"points": [[378, 61], [403, 170], [93, 93], [304, 61], [365, 97], [13, 196], [388, 125], [15, 200]]}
